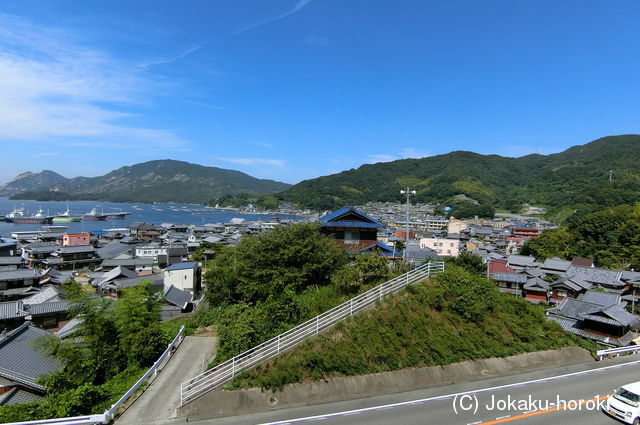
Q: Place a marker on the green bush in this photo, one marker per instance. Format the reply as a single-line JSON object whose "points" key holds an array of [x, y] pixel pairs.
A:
{"points": [[455, 317]]}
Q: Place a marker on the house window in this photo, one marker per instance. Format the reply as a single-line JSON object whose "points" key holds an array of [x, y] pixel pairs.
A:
{"points": [[351, 236], [448, 251], [451, 244], [562, 293]]}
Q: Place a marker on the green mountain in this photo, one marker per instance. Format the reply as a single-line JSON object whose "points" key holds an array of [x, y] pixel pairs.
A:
{"points": [[575, 179], [153, 181]]}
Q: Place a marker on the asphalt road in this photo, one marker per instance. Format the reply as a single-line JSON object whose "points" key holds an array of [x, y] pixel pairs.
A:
{"points": [[567, 395]]}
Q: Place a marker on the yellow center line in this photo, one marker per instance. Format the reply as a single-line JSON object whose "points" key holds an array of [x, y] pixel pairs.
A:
{"points": [[573, 405]]}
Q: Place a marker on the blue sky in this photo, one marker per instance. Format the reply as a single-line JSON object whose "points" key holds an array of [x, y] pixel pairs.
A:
{"points": [[295, 89]]}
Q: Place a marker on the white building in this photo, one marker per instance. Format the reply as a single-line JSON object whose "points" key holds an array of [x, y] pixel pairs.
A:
{"points": [[185, 276], [444, 247]]}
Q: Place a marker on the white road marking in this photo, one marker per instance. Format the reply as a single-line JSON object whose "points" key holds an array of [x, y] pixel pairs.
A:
{"points": [[447, 396], [503, 417]]}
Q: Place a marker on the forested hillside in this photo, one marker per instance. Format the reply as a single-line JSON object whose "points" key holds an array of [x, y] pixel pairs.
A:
{"points": [[573, 181]]}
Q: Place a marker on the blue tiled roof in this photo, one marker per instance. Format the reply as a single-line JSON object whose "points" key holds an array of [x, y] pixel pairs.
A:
{"points": [[352, 224], [183, 266], [331, 219]]}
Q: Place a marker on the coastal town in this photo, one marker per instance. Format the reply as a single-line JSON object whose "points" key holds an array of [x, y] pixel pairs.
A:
{"points": [[593, 303]]}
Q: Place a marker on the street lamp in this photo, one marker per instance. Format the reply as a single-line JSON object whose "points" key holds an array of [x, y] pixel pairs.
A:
{"points": [[406, 235]]}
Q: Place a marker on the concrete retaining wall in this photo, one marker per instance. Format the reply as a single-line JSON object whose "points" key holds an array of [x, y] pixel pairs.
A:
{"points": [[230, 403]]}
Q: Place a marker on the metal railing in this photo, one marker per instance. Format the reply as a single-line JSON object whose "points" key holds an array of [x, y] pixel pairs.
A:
{"points": [[77, 420], [225, 371], [109, 414], [617, 351]]}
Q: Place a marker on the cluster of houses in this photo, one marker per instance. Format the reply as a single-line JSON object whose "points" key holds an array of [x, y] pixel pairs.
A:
{"points": [[33, 266], [594, 303], [588, 301]]}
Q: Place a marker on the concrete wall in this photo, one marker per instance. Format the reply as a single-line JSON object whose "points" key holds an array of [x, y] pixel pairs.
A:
{"points": [[229, 403]]}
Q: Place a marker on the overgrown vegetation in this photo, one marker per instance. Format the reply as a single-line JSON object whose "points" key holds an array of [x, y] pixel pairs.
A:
{"points": [[456, 316], [611, 237], [116, 342], [270, 283]]}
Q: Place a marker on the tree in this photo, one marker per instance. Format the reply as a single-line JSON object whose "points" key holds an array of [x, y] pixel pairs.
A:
{"points": [[470, 262], [293, 257]]}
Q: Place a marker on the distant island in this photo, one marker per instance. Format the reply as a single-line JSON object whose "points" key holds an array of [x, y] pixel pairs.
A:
{"points": [[153, 181]]}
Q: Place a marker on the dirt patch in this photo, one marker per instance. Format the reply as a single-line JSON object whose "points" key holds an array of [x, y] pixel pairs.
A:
{"points": [[206, 331]]}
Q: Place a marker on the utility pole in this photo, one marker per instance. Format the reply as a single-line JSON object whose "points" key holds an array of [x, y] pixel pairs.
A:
{"points": [[406, 235]]}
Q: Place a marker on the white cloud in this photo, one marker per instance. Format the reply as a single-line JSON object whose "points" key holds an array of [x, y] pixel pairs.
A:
{"points": [[403, 154], [254, 161], [296, 8], [54, 88], [170, 59], [413, 153], [264, 145], [381, 158]]}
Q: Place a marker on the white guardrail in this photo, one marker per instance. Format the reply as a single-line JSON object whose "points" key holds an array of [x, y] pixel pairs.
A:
{"points": [[108, 415], [224, 372], [617, 351]]}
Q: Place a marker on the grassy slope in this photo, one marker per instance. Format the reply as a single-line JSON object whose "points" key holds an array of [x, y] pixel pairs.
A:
{"points": [[416, 328]]}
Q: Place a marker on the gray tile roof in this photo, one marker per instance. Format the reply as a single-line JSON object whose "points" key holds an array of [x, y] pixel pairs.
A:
{"points": [[69, 329], [11, 261], [157, 281], [112, 249], [509, 277], [620, 315], [574, 308], [177, 296], [20, 360], [47, 294], [129, 262], [521, 260], [114, 274], [11, 310], [536, 283], [19, 274], [77, 249], [556, 264], [47, 308], [574, 284], [534, 272], [18, 396], [604, 299], [595, 275]]}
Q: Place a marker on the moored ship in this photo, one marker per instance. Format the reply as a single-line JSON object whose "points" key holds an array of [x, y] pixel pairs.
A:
{"points": [[22, 216], [66, 217], [94, 215], [119, 215]]}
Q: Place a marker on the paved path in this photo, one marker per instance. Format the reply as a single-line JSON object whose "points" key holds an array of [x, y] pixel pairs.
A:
{"points": [[160, 400]]}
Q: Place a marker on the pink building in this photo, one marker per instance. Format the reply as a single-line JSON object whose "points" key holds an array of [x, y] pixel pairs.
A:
{"points": [[77, 239]]}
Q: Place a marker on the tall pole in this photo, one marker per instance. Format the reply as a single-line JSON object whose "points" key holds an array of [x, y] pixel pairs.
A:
{"points": [[408, 192]]}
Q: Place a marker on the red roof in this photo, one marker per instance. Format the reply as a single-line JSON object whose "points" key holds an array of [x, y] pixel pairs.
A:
{"points": [[582, 261], [499, 266]]}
